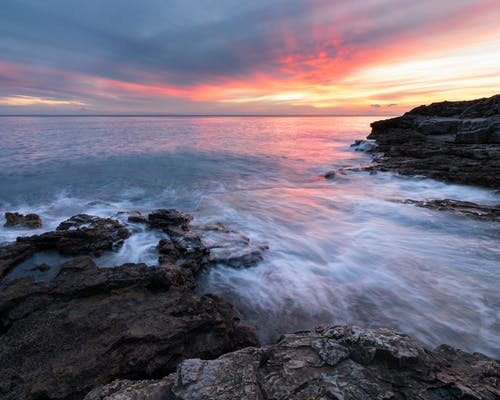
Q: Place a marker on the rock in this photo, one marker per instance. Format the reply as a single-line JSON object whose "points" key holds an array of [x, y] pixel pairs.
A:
{"points": [[183, 248], [452, 141], [169, 219], [330, 175], [42, 268], [466, 208], [336, 362], [12, 254], [89, 326], [81, 234], [367, 146], [31, 221], [229, 247]]}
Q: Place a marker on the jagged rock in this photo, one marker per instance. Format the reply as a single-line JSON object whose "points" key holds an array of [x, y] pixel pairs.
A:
{"points": [[89, 326], [81, 234], [469, 209], [184, 248], [337, 362], [169, 219], [452, 141], [31, 221]]}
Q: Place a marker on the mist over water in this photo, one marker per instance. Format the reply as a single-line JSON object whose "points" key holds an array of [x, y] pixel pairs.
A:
{"points": [[340, 251]]}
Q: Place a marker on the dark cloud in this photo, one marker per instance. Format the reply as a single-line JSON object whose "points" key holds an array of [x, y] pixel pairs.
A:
{"points": [[187, 42]]}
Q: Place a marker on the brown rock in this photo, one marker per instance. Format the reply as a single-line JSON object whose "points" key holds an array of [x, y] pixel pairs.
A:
{"points": [[81, 234], [32, 221], [88, 326]]}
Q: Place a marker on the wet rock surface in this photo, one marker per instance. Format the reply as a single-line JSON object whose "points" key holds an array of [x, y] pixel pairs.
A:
{"points": [[31, 221], [452, 141], [337, 362], [12, 254], [195, 246], [88, 326], [81, 234], [229, 247], [465, 208]]}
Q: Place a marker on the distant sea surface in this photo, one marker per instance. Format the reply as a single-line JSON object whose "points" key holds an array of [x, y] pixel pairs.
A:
{"points": [[340, 251]]}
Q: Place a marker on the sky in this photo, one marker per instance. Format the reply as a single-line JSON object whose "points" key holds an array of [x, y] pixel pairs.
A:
{"points": [[345, 57]]}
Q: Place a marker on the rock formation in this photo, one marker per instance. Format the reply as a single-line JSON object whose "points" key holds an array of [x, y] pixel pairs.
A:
{"points": [[465, 208], [90, 325], [453, 141], [81, 234], [31, 221], [336, 362]]}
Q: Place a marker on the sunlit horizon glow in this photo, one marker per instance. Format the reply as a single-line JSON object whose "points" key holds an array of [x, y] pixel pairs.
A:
{"points": [[288, 57]]}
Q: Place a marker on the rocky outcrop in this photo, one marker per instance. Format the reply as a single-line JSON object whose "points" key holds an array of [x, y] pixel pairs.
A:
{"points": [[88, 326], [194, 246], [466, 208], [31, 221], [337, 362], [81, 234], [452, 141]]}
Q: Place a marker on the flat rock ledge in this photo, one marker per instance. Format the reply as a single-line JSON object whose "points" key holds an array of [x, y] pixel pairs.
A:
{"points": [[465, 208], [457, 142], [334, 362]]}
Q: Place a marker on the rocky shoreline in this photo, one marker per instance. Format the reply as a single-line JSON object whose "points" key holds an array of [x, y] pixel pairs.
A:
{"points": [[457, 142], [138, 332]]}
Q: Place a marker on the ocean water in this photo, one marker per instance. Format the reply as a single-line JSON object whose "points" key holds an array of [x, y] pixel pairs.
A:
{"points": [[340, 251]]}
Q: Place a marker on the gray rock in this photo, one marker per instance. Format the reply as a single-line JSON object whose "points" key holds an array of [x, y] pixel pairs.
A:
{"points": [[229, 247], [337, 362], [31, 221]]}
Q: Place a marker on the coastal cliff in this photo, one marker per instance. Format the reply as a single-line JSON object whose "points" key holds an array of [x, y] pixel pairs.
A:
{"points": [[457, 142]]}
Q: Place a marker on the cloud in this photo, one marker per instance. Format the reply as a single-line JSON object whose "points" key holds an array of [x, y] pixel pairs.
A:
{"points": [[307, 53], [30, 100]]}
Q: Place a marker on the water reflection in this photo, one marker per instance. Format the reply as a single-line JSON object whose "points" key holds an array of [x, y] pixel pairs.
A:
{"points": [[340, 251]]}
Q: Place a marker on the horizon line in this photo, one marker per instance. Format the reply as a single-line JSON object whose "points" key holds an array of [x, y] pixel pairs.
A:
{"points": [[194, 115]]}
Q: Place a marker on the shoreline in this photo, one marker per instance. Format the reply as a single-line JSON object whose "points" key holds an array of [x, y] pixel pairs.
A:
{"points": [[107, 300]]}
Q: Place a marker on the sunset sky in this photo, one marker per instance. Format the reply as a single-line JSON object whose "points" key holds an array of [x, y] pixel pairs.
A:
{"points": [[245, 57]]}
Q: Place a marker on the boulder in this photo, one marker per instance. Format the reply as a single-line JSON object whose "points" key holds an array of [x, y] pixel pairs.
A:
{"points": [[334, 362], [31, 221], [89, 326]]}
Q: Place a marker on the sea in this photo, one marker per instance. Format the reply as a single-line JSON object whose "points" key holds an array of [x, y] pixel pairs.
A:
{"points": [[341, 251]]}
